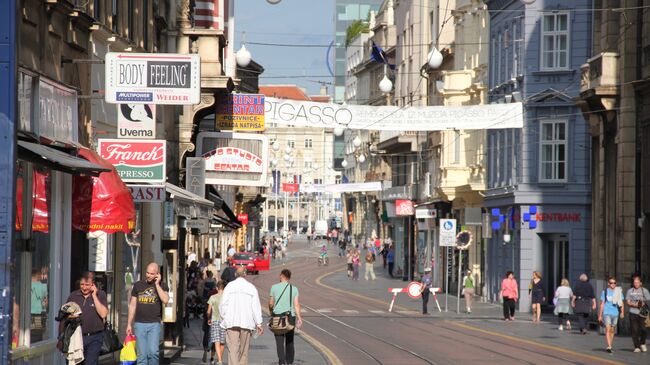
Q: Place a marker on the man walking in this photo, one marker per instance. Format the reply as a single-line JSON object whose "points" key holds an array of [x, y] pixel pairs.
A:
{"points": [[390, 259], [145, 314], [94, 309], [241, 313]]}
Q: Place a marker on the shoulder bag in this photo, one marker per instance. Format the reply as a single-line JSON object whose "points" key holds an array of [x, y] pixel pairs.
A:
{"points": [[110, 341], [280, 324], [644, 311]]}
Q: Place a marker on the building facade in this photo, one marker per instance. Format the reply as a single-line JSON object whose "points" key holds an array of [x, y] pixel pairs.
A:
{"points": [[538, 180]]}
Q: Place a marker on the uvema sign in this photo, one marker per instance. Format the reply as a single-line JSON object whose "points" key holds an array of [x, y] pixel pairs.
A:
{"points": [[153, 78], [136, 121]]}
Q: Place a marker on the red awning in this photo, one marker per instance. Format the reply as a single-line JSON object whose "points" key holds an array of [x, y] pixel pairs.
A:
{"points": [[101, 203], [40, 196]]}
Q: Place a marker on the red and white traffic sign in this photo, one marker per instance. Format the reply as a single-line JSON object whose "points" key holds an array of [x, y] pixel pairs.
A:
{"points": [[413, 290]]}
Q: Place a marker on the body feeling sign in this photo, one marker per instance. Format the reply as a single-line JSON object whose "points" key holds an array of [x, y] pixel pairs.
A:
{"points": [[153, 78], [135, 160]]}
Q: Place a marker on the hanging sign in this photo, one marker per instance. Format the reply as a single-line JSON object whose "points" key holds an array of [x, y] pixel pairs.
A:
{"points": [[240, 112], [135, 160], [136, 121], [290, 188], [423, 212], [153, 78], [147, 193], [404, 208], [233, 159], [393, 118], [243, 218]]}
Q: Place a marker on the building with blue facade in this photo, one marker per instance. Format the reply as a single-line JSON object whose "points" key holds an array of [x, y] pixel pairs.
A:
{"points": [[538, 185]]}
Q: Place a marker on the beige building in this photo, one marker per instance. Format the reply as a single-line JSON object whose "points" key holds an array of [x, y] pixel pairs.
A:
{"points": [[614, 98]]}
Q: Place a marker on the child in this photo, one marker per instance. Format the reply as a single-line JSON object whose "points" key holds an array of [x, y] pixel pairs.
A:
{"points": [[217, 333]]}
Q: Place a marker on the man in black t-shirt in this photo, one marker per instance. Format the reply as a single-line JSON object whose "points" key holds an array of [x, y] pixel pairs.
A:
{"points": [[145, 314], [94, 309]]}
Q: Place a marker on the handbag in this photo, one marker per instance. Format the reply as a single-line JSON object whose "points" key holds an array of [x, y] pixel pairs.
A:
{"points": [[280, 324], [110, 341]]}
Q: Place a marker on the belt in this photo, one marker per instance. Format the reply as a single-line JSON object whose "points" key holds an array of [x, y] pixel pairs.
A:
{"points": [[93, 333]]}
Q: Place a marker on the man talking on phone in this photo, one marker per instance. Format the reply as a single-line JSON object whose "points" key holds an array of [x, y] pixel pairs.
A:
{"points": [[145, 314], [94, 309]]}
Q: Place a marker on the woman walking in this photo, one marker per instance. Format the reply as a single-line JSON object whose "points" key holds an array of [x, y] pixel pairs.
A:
{"points": [[284, 299], [356, 261], [611, 308], [638, 298], [536, 293], [510, 294], [468, 290], [583, 302], [563, 295]]}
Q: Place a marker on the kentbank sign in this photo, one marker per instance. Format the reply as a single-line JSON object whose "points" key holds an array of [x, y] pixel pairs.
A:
{"points": [[135, 160]]}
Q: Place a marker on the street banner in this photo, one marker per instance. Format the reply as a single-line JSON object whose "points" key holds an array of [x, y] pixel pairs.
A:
{"points": [[136, 121], [240, 112], [136, 160], [393, 118], [447, 237], [404, 208], [290, 188], [353, 187], [239, 159], [152, 78]]}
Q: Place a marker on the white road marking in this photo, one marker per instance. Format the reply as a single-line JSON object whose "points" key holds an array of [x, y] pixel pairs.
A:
{"points": [[377, 312], [406, 312], [324, 310], [350, 311]]}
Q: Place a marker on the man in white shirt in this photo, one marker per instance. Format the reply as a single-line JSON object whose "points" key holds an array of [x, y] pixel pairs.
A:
{"points": [[231, 251], [241, 313]]}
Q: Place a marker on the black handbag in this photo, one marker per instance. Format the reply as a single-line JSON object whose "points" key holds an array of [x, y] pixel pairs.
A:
{"points": [[110, 341], [280, 324]]}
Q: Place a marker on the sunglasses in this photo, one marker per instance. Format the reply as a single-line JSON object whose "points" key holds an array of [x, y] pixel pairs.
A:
{"points": [[612, 282]]}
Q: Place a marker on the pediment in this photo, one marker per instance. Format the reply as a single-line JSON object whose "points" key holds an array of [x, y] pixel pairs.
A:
{"points": [[550, 96]]}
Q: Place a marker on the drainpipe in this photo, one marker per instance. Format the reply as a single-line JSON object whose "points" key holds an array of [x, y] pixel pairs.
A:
{"points": [[637, 167]]}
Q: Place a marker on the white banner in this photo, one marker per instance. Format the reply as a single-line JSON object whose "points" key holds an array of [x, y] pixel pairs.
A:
{"points": [[393, 118], [353, 187]]}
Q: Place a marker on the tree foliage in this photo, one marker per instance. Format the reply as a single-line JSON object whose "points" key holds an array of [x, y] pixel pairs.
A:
{"points": [[357, 27]]}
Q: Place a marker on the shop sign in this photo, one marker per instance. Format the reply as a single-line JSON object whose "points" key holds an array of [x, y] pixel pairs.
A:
{"points": [[202, 224], [195, 175], [404, 208], [58, 111], [240, 112], [147, 193], [234, 159], [558, 217], [169, 221], [136, 121], [136, 160], [243, 218], [153, 78], [425, 213], [447, 233], [98, 254], [290, 188]]}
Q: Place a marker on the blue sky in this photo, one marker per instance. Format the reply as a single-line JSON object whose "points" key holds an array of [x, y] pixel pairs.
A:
{"points": [[297, 22]]}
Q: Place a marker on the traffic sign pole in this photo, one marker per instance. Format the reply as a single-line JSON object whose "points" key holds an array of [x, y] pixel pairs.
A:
{"points": [[446, 279]]}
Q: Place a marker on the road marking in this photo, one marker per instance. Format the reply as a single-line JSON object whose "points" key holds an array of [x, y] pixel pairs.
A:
{"points": [[324, 310], [377, 312], [351, 311], [411, 312], [545, 346]]}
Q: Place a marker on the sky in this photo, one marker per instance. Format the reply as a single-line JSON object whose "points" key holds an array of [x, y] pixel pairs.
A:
{"points": [[291, 22]]}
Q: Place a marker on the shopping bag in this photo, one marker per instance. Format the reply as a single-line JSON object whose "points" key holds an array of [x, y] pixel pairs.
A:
{"points": [[128, 355]]}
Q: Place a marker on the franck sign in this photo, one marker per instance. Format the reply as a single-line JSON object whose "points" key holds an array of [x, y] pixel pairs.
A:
{"points": [[153, 78], [135, 160]]}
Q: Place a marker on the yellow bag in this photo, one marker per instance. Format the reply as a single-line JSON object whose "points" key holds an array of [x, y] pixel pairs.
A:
{"points": [[128, 355]]}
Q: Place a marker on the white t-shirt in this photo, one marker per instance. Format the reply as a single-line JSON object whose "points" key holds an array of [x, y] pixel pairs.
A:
{"points": [[563, 292]]}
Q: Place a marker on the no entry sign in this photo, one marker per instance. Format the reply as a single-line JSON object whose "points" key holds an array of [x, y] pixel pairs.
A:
{"points": [[153, 78]]}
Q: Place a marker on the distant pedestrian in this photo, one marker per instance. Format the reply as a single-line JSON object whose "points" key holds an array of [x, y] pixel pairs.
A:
{"points": [[510, 295], [348, 258], [424, 290], [283, 301], [231, 251], [584, 301], [370, 262], [94, 309], [390, 259], [241, 313], [468, 290], [145, 314], [536, 293], [611, 308], [638, 299], [562, 301], [356, 261], [217, 333]]}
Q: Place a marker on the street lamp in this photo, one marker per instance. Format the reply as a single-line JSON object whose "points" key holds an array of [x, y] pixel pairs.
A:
{"points": [[344, 164], [338, 131], [434, 58], [275, 146]]}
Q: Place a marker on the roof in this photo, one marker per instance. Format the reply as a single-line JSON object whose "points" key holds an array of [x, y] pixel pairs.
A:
{"points": [[292, 92]]}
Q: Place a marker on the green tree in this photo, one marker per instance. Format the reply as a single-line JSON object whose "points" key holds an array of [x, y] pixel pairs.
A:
{"points": [[357, 27]]}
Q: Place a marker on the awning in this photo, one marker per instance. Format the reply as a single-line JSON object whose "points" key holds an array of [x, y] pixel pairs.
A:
{"points": [[188, 204], [102, 203], [224, 214], [40, 207], [226, 222], [57, 160]]}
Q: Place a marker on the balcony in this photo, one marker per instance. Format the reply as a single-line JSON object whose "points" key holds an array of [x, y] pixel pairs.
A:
{"points": [[599, 80], [396, 139]]}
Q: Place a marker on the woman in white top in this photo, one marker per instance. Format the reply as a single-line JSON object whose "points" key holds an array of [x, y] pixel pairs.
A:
{"points": [[563, 295]]}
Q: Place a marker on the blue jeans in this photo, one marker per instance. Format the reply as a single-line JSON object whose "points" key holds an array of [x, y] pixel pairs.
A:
{"points": [[147, 342], [92, 347]]}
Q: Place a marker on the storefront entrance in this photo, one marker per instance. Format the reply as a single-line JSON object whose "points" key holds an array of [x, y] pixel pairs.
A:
{"points": [[556, 262]]}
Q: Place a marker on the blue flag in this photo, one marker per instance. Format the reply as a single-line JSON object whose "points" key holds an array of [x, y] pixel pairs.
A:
{"points": [[378, 55]]}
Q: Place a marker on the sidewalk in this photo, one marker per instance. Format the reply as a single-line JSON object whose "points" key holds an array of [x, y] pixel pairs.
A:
{"points": [[485, 319], [262, 350]]}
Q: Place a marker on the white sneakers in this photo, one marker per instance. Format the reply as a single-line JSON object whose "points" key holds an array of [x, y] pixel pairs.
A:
{"points": [[637, 350], [644, 348]]}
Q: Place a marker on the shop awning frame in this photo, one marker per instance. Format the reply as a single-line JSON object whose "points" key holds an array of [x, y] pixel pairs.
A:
{"points": [[58, 160], [188, 204]]}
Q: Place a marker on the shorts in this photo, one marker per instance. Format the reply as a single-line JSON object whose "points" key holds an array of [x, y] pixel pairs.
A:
{"points": [[610, 320], [350, 267], [217, 333]]}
